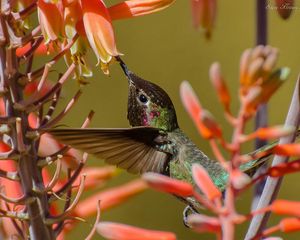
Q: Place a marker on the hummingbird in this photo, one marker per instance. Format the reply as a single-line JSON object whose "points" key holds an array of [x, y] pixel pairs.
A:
{"points": [[153, 143]]}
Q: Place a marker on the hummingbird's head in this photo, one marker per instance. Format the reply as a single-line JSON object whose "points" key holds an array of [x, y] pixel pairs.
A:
{"points": [[149, 104]]}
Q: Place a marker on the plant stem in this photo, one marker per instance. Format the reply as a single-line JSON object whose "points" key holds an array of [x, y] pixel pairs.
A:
{"points": [[29, 172], [261, 119], [272, 185], [36, 203]]}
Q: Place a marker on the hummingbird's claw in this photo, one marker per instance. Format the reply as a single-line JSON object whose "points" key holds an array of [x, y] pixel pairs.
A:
{"points": [[186, 212]]}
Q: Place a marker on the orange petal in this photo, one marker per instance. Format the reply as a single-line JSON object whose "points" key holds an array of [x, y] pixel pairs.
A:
{"points": [[284, 168], [51, 20], [118, 231], [210, 124], [204, 182], [262, 94], [48, 145], [41, 50], [99, 29], [204, 14], [4, 147], [167, 184], [244, 65], [220, 85], [95, 177], [109, 198], [289, 225], [271, 132], [201, 223], [193, 107], [11, 189], [291, 149], [284, 8], [282, 207], [239, 179], [31, 88], [134, 8], [275, 80], [2, 107]]}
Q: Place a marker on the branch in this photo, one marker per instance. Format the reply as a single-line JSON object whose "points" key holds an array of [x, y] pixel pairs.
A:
{"points": [[14, 215], [13, 176], [37, 73], [33, 104], [55, 177], [51, 108], [272, 185], [92, 232], [261, 118], [25, 12], [63, 112], [30, 51], [53, 220], [72, 179]]}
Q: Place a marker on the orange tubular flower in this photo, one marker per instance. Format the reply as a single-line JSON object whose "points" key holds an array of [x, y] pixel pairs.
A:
{"points": [[285, 207], [284, 168], [201, 223], [220, 85], [169, 185], [289, 225], [117, 231], [99, 31], [134, 8], [284, 8], [109, 198], [289, 149], [195, 110], [97, 24], [73, 16], [204, 14], [205, 183], [51, 20]]}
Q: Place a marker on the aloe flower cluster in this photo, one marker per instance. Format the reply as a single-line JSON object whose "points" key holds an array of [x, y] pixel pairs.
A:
{"points": [[72, 27], [259, 80]]}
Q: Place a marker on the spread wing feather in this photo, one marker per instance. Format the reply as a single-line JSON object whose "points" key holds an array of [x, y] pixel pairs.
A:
{"points": [[133, 149]]}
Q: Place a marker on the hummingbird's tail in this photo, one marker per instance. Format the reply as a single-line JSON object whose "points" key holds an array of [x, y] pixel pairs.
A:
{"points": [[265, 152]]}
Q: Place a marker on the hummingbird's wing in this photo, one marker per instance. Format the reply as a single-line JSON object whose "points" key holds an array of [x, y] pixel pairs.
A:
{"points": [[134, 149]]}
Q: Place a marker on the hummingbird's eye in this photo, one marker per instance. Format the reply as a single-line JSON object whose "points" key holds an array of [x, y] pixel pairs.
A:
{"points": [[143, 99]]}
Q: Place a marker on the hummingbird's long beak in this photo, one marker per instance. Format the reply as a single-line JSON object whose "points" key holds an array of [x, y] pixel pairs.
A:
{"points": [[124, 67]]}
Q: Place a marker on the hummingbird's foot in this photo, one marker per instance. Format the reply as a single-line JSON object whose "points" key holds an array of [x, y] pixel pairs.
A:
{"points": [[186, 212]]}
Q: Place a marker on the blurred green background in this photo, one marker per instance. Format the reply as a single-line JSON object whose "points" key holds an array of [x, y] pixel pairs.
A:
{"points": [[164, 48]]}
